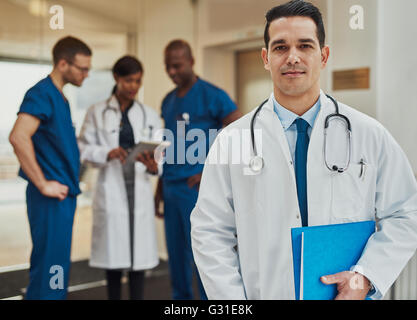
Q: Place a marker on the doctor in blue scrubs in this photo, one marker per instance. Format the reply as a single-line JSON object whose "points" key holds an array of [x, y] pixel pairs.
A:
{"points": [[45, 144], [195, 105]]}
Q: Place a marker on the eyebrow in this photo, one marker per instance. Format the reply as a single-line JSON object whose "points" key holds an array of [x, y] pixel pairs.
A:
{"points": [[308, 40], [282, 41]]}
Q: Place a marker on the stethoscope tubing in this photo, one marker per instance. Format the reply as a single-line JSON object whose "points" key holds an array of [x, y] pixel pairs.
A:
{"points": [[107, 108], [330, 117]]}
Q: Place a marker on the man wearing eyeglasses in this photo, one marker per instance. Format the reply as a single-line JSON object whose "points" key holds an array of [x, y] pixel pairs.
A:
{"points": [[45, 144]]}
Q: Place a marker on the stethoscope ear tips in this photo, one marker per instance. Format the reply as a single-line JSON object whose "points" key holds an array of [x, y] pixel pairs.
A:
{"points": [[335, 168]]}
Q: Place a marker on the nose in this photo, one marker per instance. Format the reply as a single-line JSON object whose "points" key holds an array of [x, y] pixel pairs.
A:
{"points": [[293, 57], [134, 87], [170, 71]]}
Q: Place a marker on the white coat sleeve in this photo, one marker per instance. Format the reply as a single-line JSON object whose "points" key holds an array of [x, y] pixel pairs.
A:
{"points": [[90, 149], [390, 248], [213, 232]]}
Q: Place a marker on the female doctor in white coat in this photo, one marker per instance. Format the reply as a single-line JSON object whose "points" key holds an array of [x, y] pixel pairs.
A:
{"points": [[123, 236], [241, 224]]}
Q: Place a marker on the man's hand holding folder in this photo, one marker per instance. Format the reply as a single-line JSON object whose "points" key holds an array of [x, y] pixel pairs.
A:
{"points": [[321, 256], [350, 285]]}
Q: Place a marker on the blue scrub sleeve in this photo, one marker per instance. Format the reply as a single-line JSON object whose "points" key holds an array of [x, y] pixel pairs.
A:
{"points": [[36, 104], [222, 106]]}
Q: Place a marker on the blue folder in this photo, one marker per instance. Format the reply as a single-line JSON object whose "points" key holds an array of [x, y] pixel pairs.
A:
{"points": [[325, 250]]}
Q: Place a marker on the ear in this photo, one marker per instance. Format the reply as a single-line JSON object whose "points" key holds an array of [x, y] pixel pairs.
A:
{"points": [[62, 65], [265, 59], [325, 53]]}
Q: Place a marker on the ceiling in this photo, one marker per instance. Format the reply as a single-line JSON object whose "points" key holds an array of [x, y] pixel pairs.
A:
{"points": [[25, 31], [125, 11]]}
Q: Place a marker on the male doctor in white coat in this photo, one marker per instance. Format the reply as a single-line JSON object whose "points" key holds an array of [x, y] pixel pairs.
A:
{"points": [[241, 224]]}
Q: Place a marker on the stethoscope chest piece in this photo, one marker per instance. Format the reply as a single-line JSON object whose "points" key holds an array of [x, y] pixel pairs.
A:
{"points": [[256, 164], [186, 117]]}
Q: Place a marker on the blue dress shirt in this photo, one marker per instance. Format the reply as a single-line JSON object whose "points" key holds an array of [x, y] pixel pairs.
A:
{"points": [[288, 118]]}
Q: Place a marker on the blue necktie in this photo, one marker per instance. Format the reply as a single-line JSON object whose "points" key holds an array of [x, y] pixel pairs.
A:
{"points": [[301, 149]]}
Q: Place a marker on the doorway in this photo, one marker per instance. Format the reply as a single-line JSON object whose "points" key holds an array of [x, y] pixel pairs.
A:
{"points": [[253, 82]]}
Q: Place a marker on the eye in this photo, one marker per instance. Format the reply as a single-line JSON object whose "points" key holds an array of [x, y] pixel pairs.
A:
{"points": [[280, 48], [306, 46]]}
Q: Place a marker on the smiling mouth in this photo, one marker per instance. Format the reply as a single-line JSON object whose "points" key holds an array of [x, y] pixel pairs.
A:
{"points": [[293, 73]]}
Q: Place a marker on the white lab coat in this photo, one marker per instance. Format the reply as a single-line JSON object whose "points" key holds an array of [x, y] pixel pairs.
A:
{"points": [[255, 213], [110, 248]]}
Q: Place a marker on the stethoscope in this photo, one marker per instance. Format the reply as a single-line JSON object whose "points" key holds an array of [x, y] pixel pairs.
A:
{"points": [[146, 131], [257, 163]]}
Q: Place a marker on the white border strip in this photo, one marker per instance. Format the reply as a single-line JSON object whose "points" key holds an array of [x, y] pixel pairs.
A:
{"points": [[16, 267]]}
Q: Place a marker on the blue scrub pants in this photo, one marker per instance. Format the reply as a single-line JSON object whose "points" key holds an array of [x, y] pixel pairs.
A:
{"points": [[51, 224], [179, 201]]}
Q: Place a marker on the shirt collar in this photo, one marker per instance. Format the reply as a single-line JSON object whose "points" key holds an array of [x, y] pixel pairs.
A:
{"points": [[288, 117], [112, 102]]}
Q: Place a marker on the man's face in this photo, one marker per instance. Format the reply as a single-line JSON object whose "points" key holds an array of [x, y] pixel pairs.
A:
{"points": [[294, 57], [179, 66], [76, 71]]}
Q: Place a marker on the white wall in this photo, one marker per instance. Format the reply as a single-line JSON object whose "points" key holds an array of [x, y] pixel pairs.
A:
{"points": [[397, 77], [387, 46], [159, 22], [351, 49]]}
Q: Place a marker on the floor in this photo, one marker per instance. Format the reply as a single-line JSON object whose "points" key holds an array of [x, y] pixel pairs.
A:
{"points": [[15, 241], [89, 283], [85, 283]]}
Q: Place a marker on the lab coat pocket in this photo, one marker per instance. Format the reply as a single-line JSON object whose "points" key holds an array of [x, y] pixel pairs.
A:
{"points": [[352, 192]]}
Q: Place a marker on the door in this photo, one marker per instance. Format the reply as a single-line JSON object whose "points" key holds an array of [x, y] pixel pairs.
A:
{"points": [[253, 82]]}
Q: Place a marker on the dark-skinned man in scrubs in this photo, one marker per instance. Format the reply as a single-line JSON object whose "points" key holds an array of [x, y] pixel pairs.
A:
{"points": [[194, 106], [45, 144]]}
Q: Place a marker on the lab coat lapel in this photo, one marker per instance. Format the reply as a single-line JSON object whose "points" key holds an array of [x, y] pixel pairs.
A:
{"points": [[272, 121], [136, 119], [276, 207], [113, 103], [318, 176], [276, 185], [111, 121], [315, 149]]}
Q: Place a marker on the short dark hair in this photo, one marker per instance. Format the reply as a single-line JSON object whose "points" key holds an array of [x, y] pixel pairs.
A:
{"points": [[67, 48], [179, 44], [296, 8], [126, 66]]}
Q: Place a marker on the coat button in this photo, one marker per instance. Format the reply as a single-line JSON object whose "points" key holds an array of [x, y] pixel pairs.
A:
{"points": [[298, 216]]}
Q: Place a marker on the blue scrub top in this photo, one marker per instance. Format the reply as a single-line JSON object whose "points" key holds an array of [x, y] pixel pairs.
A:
{"points": [[206, 106], [54, 141]]}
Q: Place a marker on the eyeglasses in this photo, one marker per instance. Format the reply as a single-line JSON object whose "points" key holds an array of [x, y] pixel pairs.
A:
{"points": [[83, 70]]}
